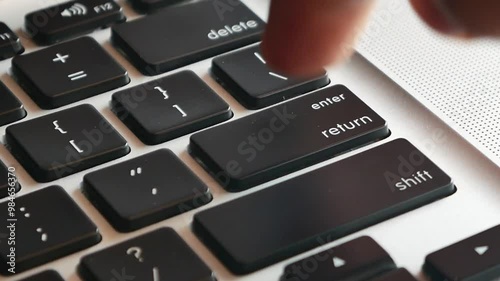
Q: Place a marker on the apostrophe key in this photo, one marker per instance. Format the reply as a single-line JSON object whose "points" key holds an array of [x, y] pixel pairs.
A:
{"points": [[170, 107], [158, 183], [245, 74], [179, 35], [70, 19], [474, 259], [49, 275], [10, 45], [48, 225], [65, 142], [320, 206], [11, 109], [149, 6], [158, 255], [68, 72], [286, 138], [356, 260]]}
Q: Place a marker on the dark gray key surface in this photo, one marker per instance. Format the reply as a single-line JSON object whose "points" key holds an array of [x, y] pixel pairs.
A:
{"points": [[246, 76], [149, 6], [396, 275], [11, 109], [286, 138], [170, 107], [71, 19], [65, 142], [49, 275], [155, 256], [48, 225], [356, 260], [158, 183], [9, 184], [10, 44], [474, 259], [68, 72], [321, 206], [196, 31]]}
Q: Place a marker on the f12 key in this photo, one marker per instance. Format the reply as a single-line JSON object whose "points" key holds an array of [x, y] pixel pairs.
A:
{"points": [[71, 19]]}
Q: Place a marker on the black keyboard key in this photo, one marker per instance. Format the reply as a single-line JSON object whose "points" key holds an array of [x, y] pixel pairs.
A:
{"points": [[48, 225], [474, 259], [247, 77], [352, 194], [9, 185], [10, 44], [11, 109], [78, 69], [196, 31], [170, 107], [49, 275], [158, 183], [286, 138], [65, 142], [71, 19], [397, 275], [356, 260], [148, 6], [155, 256]]}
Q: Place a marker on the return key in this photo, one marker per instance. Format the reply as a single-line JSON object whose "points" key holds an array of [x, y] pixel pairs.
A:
{"points": [[286, 138]]}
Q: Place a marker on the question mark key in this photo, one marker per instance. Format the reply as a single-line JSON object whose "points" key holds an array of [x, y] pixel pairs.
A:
{"points": [[155, 256]]}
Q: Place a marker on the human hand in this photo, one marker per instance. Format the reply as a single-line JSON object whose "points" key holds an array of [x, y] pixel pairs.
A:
{"points": [[303, 36]]}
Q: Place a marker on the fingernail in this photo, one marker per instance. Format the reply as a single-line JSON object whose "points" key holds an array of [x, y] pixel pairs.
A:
{"points": [[450, 23]]}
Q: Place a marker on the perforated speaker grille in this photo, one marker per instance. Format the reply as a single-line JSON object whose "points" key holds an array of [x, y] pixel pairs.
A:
{"points": [[458, 78]]}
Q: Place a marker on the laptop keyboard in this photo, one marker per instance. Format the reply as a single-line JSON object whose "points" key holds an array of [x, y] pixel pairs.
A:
{"points": [[265, 224]]}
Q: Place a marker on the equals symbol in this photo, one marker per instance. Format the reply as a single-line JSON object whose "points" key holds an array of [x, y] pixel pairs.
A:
{"points": [[135, 172], [77, 75]]}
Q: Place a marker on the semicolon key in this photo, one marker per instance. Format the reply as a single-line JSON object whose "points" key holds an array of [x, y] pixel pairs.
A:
{"points": [[48, 225]]}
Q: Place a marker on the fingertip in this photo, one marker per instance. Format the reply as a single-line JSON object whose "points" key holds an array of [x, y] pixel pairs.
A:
{"points": [[304, 36]]}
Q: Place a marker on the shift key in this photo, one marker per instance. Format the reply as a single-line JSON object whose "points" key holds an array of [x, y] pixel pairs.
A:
{"points": [[321, 206], [288, 137]]}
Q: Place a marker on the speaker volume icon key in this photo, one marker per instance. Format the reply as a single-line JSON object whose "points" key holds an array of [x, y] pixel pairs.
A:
{"points": [[76, 10]]}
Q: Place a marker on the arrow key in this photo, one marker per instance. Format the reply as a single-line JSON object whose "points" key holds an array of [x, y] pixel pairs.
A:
{"points": [[474, 259], [359, 259]]}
